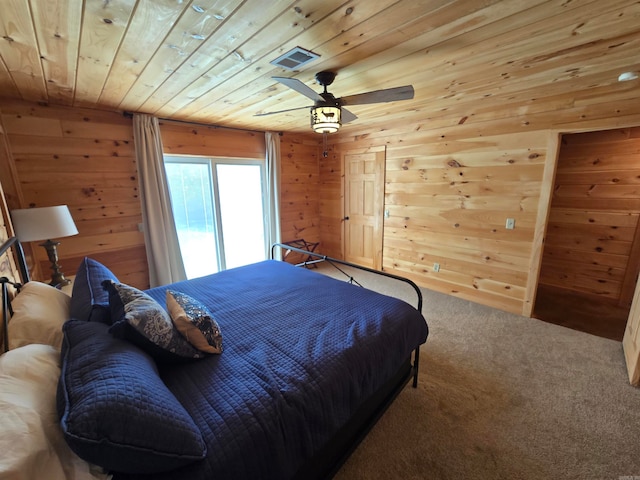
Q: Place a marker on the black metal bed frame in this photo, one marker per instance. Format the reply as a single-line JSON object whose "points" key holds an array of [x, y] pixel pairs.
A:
{"points": [[326, 463], [335, 262], [7, 311]]}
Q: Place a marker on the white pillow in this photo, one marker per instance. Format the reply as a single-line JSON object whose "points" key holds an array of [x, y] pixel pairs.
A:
{"points": [[39, 311], [31, 442]]}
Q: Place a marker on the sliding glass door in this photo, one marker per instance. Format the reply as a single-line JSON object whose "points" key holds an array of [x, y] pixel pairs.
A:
{"points": [[218, 207]]}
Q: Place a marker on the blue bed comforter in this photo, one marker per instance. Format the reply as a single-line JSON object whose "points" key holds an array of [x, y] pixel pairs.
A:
{"points": [[302, 351]]}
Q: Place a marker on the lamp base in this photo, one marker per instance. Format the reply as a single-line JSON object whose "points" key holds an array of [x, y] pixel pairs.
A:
{"points": [[60, 282], [57, 277]]}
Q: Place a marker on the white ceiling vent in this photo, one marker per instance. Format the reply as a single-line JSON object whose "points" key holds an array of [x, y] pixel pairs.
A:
{"points": [[294, 59]]}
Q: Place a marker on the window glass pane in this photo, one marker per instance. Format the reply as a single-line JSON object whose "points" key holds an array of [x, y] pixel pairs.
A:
{"points": [[241, 211], [192, 203]]}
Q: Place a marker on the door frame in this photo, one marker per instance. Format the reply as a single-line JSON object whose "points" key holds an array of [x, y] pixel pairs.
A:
{"points": [[542, 221], [380, 185], [631, 340]]}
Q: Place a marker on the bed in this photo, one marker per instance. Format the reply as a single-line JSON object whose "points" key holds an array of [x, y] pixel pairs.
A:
{"points": [[294, 370]]}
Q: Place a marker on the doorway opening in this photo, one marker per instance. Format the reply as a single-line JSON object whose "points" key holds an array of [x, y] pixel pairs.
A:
{"points": [[581, 312], [591, 256]]}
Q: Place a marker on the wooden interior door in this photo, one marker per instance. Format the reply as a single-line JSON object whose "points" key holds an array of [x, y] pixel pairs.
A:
{"points": [[363, 206], [631, 339]]}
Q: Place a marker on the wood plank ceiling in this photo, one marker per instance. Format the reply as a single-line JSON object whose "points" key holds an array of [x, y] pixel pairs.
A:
{"points": [[208, 61]]}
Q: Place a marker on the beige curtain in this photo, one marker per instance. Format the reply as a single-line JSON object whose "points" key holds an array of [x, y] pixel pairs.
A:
{"points": [[272, 140], [161, 237]]}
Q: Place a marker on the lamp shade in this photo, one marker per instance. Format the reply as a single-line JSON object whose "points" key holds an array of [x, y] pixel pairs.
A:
{"points": [[43, 223]]}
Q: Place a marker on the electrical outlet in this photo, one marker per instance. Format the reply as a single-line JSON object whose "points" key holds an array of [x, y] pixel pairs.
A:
{"points": [[436, 267], [511, 223]]}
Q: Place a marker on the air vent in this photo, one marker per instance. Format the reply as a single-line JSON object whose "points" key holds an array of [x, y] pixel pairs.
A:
{"points": [[294, 59]]}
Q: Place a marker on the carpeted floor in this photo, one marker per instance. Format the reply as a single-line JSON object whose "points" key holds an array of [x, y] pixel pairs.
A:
{"points": [[502, 396]]}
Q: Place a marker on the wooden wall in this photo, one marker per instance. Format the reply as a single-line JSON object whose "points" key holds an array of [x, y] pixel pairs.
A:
{"points": [[448, 202], [8, 264], [331, 200], [592, 245], [452, 180], [85, 159], [299, 188], [191, 139], [451, 184]]}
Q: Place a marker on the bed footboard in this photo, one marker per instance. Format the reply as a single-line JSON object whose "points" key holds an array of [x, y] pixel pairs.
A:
{"points": [[313, 258]]}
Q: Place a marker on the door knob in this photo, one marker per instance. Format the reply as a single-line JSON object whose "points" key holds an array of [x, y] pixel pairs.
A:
{"points": [[346, 218]]}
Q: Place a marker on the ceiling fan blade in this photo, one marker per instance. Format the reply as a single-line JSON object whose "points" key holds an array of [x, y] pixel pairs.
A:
{"points": [[298, 86], [280, 111], [347, 116], [379, 96]]}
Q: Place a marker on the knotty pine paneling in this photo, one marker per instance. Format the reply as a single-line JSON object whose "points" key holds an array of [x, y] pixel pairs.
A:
{"points": [[11, 193], [448, 198], [191, 139], [299, 188], [9, 187], [8, 265], [454, 175], [331, 203], [591, 245], [86, 160]]}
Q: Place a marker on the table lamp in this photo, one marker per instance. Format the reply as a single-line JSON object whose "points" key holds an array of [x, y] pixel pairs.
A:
{"points": [[45, 223]]}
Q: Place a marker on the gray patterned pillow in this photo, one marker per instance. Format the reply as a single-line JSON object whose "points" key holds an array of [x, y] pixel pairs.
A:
{"points": [[140, 319], [195, 322]]}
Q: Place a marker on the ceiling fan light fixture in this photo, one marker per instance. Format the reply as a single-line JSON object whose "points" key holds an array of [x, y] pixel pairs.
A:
{"points": [[327, 112], [326, 118]]}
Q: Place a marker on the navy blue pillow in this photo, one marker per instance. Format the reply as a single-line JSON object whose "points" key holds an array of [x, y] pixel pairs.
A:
{"points": [[114, 409], [89, 301]]}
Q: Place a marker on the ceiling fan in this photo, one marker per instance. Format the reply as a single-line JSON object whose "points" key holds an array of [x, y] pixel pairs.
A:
{"points": [[327, 112]]}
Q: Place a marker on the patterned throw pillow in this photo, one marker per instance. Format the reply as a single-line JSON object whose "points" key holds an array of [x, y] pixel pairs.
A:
{"points": [[195, 322], [140, 319]]}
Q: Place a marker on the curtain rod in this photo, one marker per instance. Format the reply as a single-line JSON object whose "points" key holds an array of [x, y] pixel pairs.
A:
{"points": [[130, 115]]}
